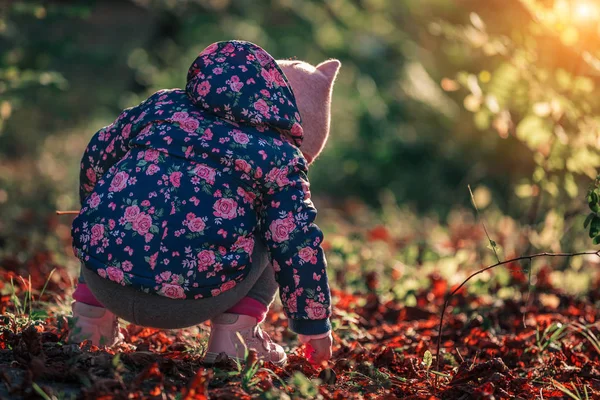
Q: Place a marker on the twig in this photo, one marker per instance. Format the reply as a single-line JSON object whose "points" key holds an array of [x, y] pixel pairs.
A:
{"points": [[449, 297], [462, 360], [67, 212], [492, 243], [528, 298]]}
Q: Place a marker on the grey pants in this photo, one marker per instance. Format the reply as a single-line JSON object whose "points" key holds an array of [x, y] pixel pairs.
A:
{"points": [[156, 311]]}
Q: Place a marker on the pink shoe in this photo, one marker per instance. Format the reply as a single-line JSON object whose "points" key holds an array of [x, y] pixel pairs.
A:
{"points": [[96, 324], [224, 339]]}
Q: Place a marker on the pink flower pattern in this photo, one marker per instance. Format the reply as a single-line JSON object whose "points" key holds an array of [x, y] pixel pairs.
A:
{"points": [[175, 192]]}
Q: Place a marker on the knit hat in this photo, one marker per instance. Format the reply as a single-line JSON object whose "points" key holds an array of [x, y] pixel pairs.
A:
{"points": [[312, 87]]}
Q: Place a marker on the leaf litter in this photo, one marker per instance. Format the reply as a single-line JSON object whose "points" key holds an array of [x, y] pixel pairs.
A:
{"points": [[544, 345]]}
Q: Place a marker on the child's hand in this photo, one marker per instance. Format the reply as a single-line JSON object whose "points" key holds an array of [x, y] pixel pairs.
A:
{"points": [[317, 350]]}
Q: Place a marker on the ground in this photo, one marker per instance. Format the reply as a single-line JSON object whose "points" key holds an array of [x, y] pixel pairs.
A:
{"points": [[528, 342]]}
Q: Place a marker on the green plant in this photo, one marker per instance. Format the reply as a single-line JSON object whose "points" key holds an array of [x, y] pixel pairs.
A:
{"points": [[41, 392], [550, 338], [574, 394], [592, 221], [25, 311], [586, 332], [303, 386]]}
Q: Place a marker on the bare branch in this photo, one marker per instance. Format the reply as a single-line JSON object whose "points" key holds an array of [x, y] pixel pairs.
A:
{"points": [[449, 297], [67, 212]]}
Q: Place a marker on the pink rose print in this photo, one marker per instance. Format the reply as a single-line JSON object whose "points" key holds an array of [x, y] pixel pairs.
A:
{"points": [[189, 125], [279, 176], [180, 116], [315, 310], [152, 169], [228, 48], [172, 291], [205, 172], [246, 243], [225, 208], [142, 223], [228, 286], [306, 190], [208, 135], [203, 88], [119, 182], [97, 233], [210, 49], [102, 273], [196, 224], [126, 131], [152, 260], [206, 258], [94, 200], [262, 56], [114, 274], [240, 137], [91, 175], [242, 165], [175, 178], [235, 83], [276, 265], [308, 255], [297, 130], [164, 276], [126, 265], [151, 155], [266, 75], [215, 292], [273, 76], [249, 197], [131, 213], [280, 229], [262, 107], [278, 78], [292, 304]]}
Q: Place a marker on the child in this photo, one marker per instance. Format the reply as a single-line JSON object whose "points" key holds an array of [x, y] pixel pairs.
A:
{"points": [[196, 206]]}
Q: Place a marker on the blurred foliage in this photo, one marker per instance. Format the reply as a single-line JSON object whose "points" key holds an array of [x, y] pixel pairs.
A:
{"points": [[538, 85], [433, 95]]}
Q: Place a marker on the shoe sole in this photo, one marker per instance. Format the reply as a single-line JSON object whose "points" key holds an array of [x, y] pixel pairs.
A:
{"points": [[210, 358]]}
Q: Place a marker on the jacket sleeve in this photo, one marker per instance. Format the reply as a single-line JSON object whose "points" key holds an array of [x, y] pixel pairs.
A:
{"points": [[109, 145], [294, 243]]}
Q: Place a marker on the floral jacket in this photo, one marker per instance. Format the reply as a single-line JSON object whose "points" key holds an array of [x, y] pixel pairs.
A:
{"points": [[175, 189]]}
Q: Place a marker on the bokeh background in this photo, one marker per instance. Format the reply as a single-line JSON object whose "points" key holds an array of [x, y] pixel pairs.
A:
{"points": [[433, 95]]}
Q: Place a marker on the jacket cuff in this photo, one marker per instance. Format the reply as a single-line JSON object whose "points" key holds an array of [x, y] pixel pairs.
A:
{"points": [[310, 326]]}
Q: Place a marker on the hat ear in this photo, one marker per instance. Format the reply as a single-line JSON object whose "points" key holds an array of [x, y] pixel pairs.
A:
{"points": [[312, 88], [330, 69]]}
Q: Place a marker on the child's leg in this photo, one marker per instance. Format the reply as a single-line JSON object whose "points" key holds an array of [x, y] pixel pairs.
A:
{"points": [[82, 293], [256, 303], [91, 321], [237, 329]]}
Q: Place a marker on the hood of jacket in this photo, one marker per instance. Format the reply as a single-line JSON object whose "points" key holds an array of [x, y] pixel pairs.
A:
{"points": [[242, 83]]}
